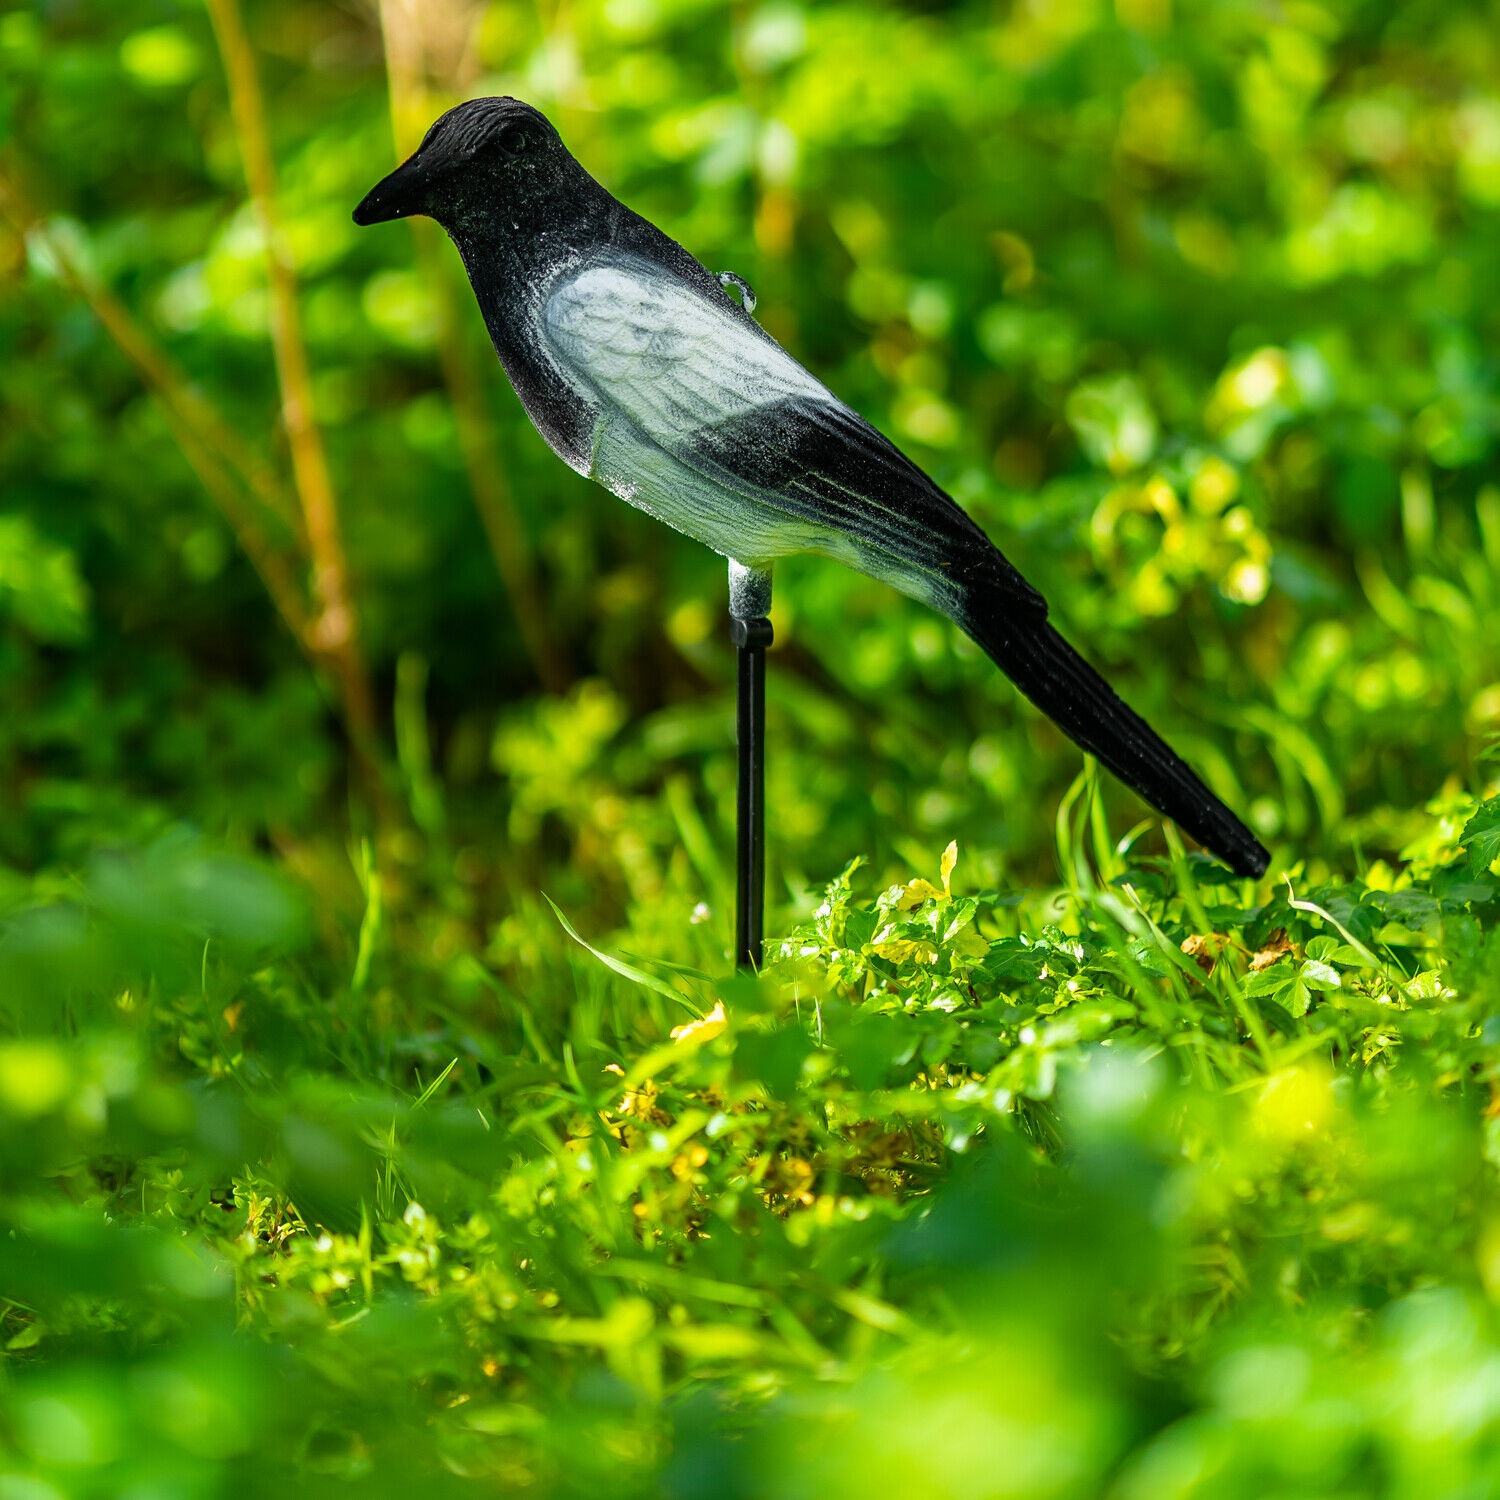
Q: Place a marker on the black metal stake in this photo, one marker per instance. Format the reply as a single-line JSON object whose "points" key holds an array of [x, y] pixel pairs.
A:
{"points": [[749, 607]]}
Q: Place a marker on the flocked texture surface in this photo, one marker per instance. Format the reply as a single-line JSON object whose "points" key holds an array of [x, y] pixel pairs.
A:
{"points": [[622, 346]]}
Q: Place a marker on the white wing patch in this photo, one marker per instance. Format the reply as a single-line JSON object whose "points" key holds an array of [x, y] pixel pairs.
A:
{"points": [[661, 363], [658, 352], [658, 361]]}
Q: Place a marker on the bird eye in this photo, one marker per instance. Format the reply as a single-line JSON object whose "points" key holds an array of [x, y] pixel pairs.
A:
{"points": [[515, 141]]}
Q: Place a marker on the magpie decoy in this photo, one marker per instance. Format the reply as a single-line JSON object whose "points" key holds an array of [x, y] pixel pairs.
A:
{"points": [[643, 373]]}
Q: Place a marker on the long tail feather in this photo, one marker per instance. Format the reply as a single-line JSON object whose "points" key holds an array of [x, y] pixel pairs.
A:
{"points": [[1071, 693]]}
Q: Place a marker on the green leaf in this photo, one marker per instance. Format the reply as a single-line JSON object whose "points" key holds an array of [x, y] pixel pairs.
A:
{"points": [[1481, 836], [1428, 985], [620, 966], [1319, 976], [1295, 999], [30, 1335], [40, 585], [1270, 981]]}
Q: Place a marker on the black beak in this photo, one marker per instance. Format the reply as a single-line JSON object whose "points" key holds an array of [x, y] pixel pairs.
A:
{"points": [[404, 192]]}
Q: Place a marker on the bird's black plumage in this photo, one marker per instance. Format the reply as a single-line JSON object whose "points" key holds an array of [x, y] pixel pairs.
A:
{"points": [[641, 372]]}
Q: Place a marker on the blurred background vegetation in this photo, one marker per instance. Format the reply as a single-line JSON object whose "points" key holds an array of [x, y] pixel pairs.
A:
{"points": [[318, 670], [1192, 306]]}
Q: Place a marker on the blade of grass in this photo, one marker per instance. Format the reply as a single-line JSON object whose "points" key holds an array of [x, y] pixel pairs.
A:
{"points": [[620, 966]]}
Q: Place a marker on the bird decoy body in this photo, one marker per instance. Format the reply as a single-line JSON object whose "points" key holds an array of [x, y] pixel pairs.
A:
{"points": [[643, 373]]}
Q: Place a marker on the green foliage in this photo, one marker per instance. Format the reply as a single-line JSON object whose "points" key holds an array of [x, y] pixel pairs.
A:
{"points": [[384, 1123], [1133, 1188], [1188, 307]]}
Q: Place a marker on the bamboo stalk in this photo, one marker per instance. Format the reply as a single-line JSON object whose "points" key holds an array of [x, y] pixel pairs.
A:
{"points": [[335, 631], [411, 105]]}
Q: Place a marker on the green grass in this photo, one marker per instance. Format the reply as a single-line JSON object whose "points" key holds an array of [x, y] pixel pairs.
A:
{"points": [[1153, 1184], [354, 880]]}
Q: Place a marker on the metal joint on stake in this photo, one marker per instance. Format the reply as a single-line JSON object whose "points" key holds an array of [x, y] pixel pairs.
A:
{"points": [[750, 628], [751, 635]]}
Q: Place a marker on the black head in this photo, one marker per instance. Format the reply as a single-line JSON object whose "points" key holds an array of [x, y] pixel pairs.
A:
{"points": [[489, 157]]}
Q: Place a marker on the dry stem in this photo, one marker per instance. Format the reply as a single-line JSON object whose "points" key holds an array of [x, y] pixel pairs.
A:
{"points": [[335, 633]]}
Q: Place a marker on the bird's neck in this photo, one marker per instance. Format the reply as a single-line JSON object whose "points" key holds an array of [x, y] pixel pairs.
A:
{"points": [[508, 270], [510, 274]]}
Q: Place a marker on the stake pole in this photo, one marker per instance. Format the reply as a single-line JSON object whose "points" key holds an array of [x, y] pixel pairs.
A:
{"points": [[749, 609]]}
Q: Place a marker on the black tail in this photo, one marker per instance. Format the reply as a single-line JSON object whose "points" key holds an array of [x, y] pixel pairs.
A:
{"points": [[1070, 692]]}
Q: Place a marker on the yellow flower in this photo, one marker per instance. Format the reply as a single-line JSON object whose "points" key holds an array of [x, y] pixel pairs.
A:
{"points": [[702, 1030], [916, 892]]}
